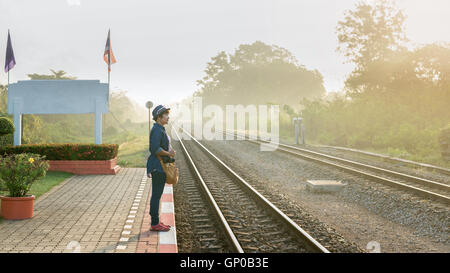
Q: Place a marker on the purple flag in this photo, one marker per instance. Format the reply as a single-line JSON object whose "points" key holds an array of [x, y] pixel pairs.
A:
{"points": [[10, 61]]}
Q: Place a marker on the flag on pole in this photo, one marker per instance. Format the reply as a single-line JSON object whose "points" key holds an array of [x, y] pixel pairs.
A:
{"points": [[108, 56], [10, 61]]}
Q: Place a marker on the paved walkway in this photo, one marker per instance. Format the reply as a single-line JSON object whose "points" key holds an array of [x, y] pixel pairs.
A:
{"points": [[93, 213]]}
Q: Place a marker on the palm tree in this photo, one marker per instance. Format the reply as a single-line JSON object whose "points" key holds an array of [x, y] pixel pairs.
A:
{"points": [[57, 75]]}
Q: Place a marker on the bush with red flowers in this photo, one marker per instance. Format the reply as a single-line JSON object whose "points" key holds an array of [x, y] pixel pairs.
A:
{"points": [[65, 151]]}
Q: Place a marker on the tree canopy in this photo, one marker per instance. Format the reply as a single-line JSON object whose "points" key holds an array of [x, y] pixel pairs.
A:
{"points": [[397, 98], [56, 75], [256, 74]]}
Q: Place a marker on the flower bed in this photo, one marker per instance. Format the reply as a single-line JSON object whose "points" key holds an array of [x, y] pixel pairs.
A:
{"points": [[74, 158], [85, 166]]}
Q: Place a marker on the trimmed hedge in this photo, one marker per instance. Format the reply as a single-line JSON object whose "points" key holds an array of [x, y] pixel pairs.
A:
{"points": [[6, 126], [65, 151], [6, 139]]}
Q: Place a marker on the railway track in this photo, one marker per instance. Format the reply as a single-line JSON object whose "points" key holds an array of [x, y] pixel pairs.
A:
{"points": [[202, 219], [421, 186], [250, 222], [395, 160]]}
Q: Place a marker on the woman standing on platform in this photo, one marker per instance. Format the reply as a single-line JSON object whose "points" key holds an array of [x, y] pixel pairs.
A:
{"points": [[159, 145]]}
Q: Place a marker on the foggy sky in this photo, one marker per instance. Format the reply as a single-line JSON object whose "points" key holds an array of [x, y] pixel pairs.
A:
{"points": [[162, 47]]}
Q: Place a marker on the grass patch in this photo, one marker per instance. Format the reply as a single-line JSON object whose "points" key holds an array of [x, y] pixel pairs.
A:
{"points": [[119, 138], [433, 157], [44, 184], [134, 153]]}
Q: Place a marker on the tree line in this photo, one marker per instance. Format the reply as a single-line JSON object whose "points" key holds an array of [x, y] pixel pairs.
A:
{"points": [[396, 100]]}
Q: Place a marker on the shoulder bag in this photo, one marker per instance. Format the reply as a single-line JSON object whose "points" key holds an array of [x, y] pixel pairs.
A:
{"points": [[171, 171]]}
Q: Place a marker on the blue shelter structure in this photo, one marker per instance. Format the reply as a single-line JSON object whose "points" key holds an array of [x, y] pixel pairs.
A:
{"points": [[58, 97]]}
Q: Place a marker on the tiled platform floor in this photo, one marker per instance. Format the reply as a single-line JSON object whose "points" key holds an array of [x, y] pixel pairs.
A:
{"points": [[93, 213]]}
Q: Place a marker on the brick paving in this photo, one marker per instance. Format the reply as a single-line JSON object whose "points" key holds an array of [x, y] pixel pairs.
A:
{"points": [[159, 242], [148, 240], [88, 213]]}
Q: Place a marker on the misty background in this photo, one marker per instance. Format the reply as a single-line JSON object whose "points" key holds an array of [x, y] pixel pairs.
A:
{"points": [[162, 47], [372, 75]]}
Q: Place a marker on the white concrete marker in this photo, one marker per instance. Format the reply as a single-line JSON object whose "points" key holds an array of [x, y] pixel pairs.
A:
{"points": [[324, 185]]}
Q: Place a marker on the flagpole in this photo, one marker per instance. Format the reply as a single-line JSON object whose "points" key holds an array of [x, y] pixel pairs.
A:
{"points": [[109, 77], [109, 64], [7, 90], [10, 62], [109, 90]]}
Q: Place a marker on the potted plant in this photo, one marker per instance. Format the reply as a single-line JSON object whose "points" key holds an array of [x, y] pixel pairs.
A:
{"points": [[18, 172]]}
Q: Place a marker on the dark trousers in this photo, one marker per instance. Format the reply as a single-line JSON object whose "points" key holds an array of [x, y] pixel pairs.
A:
{"points": [[158, 182]]}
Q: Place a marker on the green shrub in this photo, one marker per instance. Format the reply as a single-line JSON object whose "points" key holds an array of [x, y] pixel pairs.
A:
{"points": [[19, 171], [65, 151], [6, 139], [6, 126]]}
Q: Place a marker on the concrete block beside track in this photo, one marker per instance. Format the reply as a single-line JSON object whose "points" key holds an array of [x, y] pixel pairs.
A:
{"points": [[324, 185]]}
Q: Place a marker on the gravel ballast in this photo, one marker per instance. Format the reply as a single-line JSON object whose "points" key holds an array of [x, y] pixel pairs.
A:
{"points": [[364, 212]]}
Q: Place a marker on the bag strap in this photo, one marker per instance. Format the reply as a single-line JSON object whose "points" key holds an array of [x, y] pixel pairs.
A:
{"points": [[159, 157]]}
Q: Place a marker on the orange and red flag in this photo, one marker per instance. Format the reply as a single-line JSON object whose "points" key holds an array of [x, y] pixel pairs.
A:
{"points": [[108, 56]]}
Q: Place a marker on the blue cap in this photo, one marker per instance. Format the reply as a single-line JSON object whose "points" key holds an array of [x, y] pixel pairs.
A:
{"points": [[159, 109]]}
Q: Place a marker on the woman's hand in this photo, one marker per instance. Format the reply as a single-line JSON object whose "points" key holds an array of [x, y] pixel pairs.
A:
{"points": [[170, 153]]}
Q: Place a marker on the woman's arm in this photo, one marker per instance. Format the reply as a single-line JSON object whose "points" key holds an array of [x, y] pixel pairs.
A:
{"points": [[155, 148], [163, 152], [155, 142]]}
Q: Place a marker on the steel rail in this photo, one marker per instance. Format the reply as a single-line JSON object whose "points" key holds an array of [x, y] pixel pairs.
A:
{"points": [[418, 180], [226, 227], [426, 166], [297, 230]]}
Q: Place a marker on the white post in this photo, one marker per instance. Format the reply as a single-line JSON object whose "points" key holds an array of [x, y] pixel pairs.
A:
{"points": [[98, 122], [302, 130], [17, 112], [296, 129]]}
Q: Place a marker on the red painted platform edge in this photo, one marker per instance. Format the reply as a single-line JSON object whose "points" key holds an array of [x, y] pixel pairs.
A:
{"points": [[149, 241], [168, 219]]}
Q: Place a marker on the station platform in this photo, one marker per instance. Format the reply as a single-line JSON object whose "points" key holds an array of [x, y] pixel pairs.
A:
{"points": [[159, 242], [94, 213]]}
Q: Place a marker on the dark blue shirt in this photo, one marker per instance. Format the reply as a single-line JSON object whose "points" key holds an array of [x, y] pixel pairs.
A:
{"points": [[158, 141]]}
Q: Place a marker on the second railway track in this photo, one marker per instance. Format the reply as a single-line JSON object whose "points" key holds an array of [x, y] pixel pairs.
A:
{"points": [[439, 191]]}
